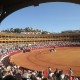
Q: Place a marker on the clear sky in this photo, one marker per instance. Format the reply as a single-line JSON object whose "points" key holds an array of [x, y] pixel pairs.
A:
{"points": [[52, 17]]}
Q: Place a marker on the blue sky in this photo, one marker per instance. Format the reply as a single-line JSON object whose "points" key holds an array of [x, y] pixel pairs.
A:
{"points": [[52, 17]]}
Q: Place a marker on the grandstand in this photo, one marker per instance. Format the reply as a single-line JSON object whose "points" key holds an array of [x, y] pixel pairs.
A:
{"points": [[24, 38]]}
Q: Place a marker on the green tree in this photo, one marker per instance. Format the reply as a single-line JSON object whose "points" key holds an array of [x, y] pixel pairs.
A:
{"points": [[17, 30]]}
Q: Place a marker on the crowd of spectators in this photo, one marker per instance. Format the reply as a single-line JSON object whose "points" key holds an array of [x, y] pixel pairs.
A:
{"points": [[7, 48], [15, 72], [65, 43]]}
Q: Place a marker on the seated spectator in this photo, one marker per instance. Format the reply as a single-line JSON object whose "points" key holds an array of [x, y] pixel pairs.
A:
{"points": [[1, 78], [44, 79], [33, 77], [9, 77], [18, 76]]}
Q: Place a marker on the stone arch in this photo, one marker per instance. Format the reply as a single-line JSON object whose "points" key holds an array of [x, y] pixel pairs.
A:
{"points": [[9, 6]]}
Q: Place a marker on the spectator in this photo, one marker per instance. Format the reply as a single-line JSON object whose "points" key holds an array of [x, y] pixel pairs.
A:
{"points": [[70, 72], [9, 77]]}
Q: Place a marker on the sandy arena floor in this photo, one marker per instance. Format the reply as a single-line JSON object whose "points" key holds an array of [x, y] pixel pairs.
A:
{"points": [[63, 58]]}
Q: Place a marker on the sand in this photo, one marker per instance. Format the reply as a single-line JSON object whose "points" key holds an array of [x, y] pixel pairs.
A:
{"points": [[64, 58]]}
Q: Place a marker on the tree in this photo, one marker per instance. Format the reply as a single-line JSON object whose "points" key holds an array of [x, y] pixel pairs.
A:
{"points": [[11, 30], [17, 30], [44, 32]]}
